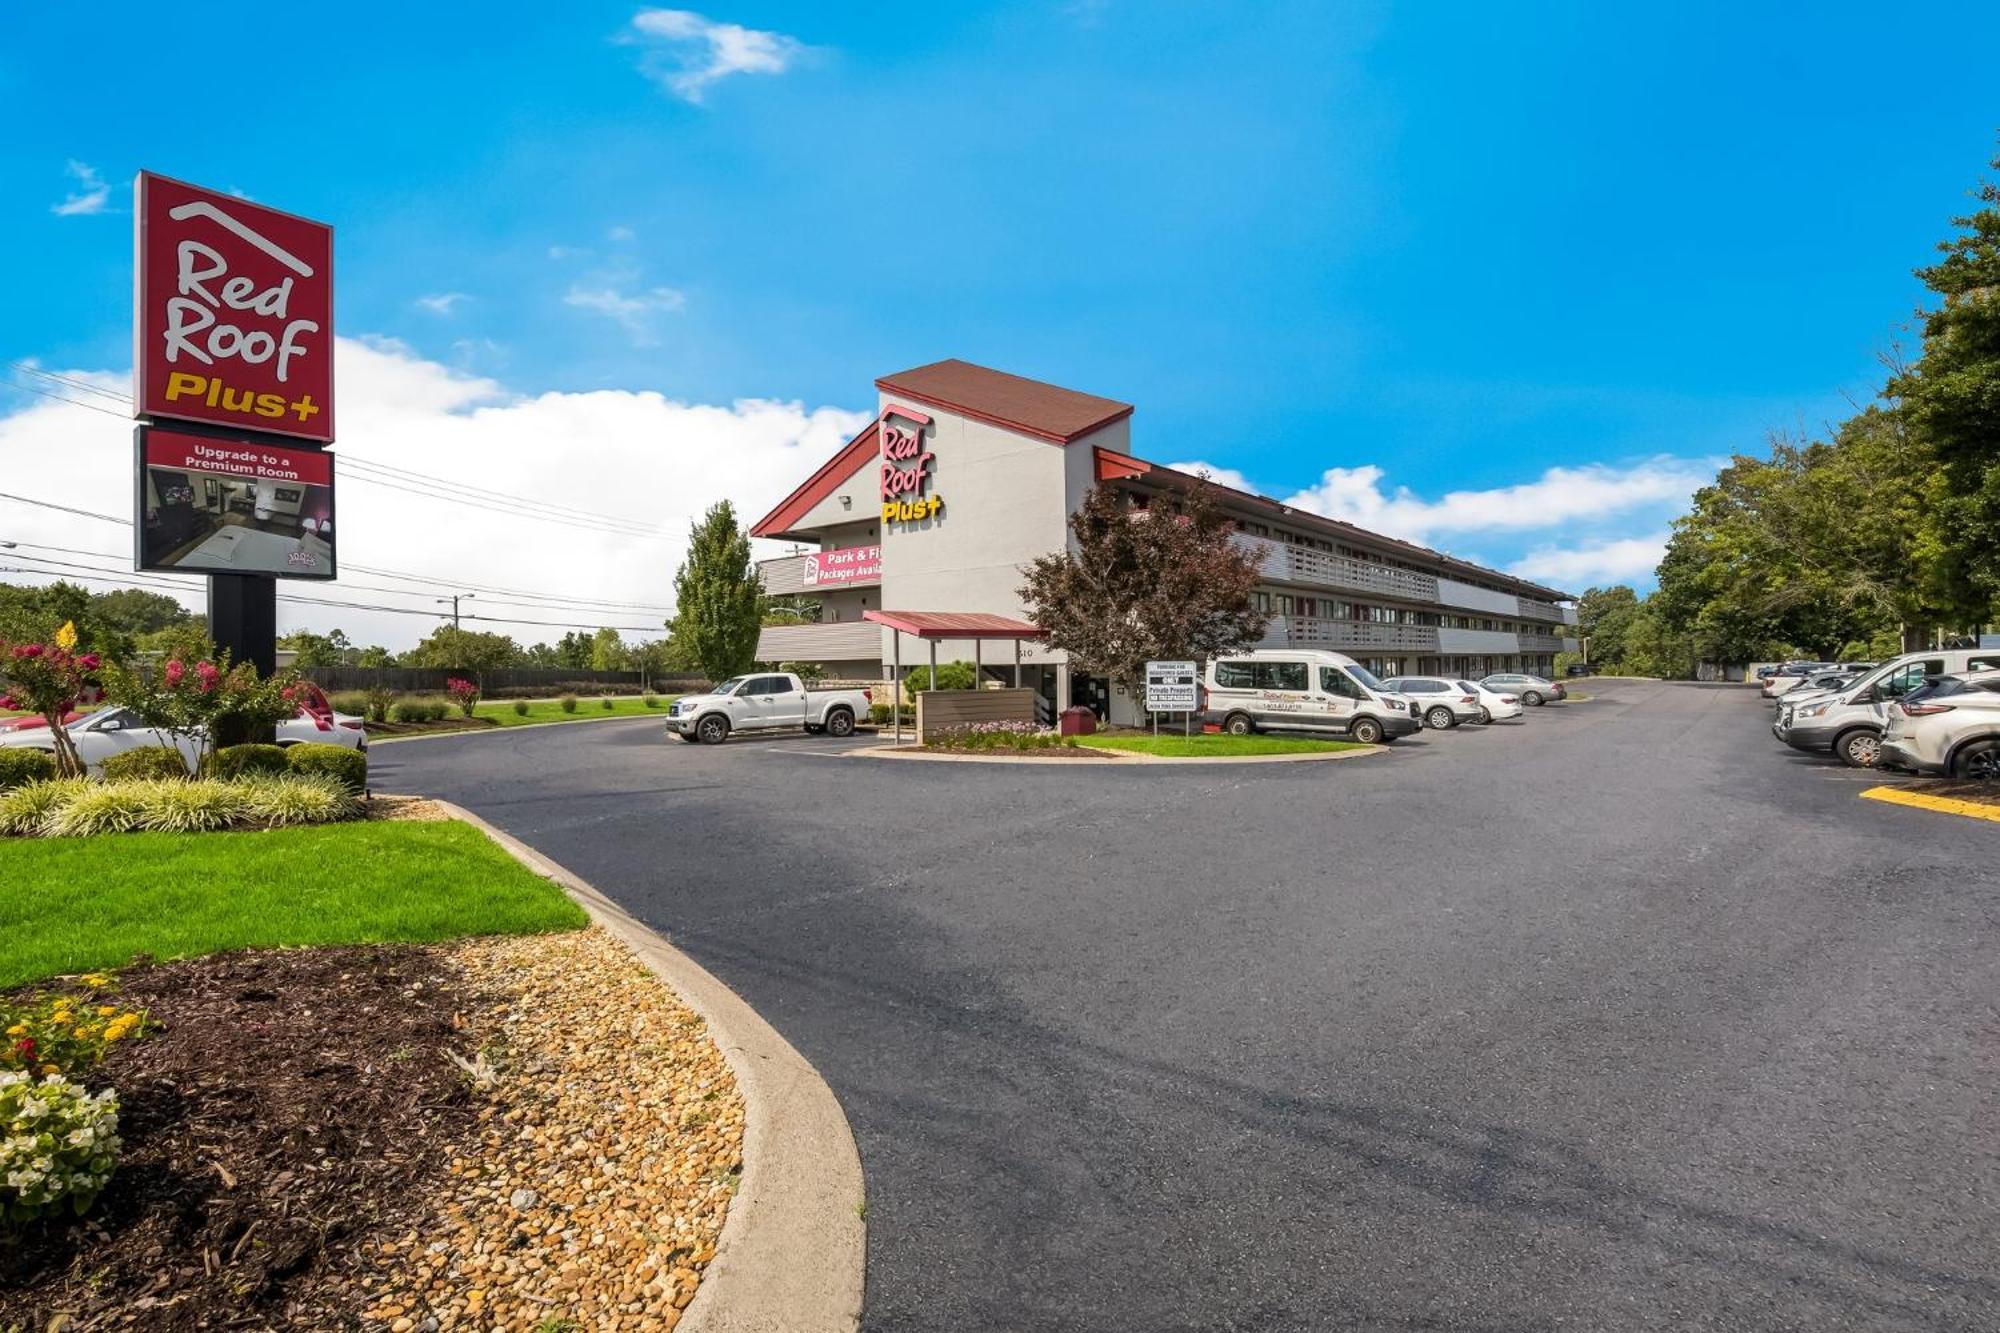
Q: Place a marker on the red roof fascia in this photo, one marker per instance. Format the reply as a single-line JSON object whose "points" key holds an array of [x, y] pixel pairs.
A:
{"points": [[821, 483], [1114, 466], [955, 624]]}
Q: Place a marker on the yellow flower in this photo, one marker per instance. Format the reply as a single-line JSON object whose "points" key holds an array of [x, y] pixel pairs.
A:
{"points": [[66, 636], [106, 1010], [95, 980], [50, 1069], [18, 1030]]}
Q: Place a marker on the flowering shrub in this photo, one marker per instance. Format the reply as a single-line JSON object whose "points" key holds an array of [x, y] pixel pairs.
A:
{"points": [[204, 697], [998, 736], [464, 693], [58, 1145], [65, 1034], [51, 679]]}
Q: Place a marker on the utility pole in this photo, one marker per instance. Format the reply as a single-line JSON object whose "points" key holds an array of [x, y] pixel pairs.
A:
{"points": [[455, 599]]}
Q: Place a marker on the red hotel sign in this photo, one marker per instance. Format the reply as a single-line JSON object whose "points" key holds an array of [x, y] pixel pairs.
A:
{"points": [[243, 459], [233, 323], [831, 569]]}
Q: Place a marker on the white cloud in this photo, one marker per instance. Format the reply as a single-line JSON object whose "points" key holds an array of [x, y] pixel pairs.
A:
{"points": [[636, 455], [91, 194], [441, 303], [1560, 495], [634, 312], [562, 252], [688, 53], [1221, 476], [1621, 560], [622, 234]]}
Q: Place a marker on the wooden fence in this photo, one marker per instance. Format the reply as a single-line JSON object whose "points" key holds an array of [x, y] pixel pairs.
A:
{"points": [[517, 682]]}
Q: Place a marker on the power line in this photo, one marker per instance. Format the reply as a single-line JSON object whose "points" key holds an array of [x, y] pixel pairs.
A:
{"points": [[554, 598], [32, 369]]}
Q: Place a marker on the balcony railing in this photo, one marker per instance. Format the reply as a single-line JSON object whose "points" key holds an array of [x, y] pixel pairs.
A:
{"points": [[1530, 609], [1543, 643], [835, 641], [1286, 563], [1346, 636]]}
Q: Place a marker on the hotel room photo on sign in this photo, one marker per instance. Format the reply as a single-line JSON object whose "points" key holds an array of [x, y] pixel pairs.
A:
{"points": [[216, 505]]}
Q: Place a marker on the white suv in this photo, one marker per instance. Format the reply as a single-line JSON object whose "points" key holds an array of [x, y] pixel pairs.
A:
{"points": [[1950, 727], [1439, 701]]}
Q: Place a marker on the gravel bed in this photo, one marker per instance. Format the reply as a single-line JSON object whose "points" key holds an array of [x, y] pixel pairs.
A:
{"points": [[609, 1148]]}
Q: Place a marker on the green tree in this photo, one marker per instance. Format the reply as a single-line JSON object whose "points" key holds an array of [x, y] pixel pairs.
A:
{"points": [[718, 598], [1951, 396], [1165, 582], [1604, 618], [573, 651], [457, 649], [607, 651], [319, 650], [136, 611]]}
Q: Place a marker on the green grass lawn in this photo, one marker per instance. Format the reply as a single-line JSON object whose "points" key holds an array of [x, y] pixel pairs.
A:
{"points": [[502, 710], [77, 904], [1216, 746]]}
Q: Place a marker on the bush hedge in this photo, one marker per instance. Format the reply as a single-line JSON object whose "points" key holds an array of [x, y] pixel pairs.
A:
{"points": [[354, 702], [998, 736], [520, 708], [81, 808], [235, 761], [147, 762], [347, 767], [421, 709], [18, 767], [567, 703]]}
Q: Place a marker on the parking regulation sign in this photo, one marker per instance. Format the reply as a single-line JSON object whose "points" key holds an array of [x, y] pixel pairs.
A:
{"points": [[1170, 687]]}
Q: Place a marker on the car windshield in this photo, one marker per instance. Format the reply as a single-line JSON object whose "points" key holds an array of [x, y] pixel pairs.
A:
{"points": [[729, 686], [1367, 677], [1468, 687]]}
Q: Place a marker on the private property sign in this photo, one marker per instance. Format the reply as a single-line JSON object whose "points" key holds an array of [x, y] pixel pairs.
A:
{"points": [[831, 569], [233, 312], [1170, 687]]}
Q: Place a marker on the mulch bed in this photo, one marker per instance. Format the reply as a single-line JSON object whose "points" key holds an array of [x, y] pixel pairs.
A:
{"points": [[288, 1105], [1985, 793]]}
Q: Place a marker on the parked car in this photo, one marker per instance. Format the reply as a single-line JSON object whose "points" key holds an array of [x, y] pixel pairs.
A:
{"points": [[1812, 688], [110, 731], [1441, 702], [1494, 705], [1950, 727], [1303, 690], [1849, 722], [1533, 691], [1575, 669], [764, 701], [1787, 677]]}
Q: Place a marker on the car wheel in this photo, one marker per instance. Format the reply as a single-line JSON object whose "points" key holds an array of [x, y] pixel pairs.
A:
{"points": [[1485, 716], [1440, 718], [1239, 724], [1366, 730], [713, 729], [1533, 698], [1979, 761], [839, 722], [1858, 748]]}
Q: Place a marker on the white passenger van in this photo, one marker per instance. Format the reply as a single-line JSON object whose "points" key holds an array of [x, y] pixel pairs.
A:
{"points": [[1302, 689]]}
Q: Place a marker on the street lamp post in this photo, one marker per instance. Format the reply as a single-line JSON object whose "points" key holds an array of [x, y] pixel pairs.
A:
{"points": [[455, 599]]}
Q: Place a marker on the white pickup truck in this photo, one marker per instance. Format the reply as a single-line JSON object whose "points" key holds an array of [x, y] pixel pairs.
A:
{"points": [[771, 701]]}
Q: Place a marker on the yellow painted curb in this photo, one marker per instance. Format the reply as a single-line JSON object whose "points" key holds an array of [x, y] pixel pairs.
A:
{"points": [[1947, 805]]}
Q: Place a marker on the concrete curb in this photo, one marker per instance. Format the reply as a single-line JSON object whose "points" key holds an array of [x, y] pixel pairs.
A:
{"points": [[374, 741], [1116, 757], [1944, 805], [793, 1246]]}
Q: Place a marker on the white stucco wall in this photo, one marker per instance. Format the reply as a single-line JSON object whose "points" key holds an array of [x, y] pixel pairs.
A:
{"points": [[1007, 499]]}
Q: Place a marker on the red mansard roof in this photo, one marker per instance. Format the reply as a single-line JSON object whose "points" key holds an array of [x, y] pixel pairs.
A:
{"points": [[853, 456], [1045, 411], [955, 624]]}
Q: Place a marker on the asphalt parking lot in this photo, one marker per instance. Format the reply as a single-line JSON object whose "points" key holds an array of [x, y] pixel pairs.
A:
{"points": [[1620, 1018]]}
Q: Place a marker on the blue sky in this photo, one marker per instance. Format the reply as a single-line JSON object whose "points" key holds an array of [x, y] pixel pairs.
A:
{"points": [[1459, 244]]}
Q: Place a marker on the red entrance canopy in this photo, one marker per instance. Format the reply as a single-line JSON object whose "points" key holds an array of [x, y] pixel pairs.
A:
{"points": [[955, 624]]}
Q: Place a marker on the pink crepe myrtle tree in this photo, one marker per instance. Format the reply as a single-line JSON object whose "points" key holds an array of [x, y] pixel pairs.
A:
{"points": [[463, 692], [51, 679]]}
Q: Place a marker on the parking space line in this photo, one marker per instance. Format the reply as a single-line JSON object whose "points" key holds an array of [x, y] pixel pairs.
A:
{"points": [[1947, 805]]}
